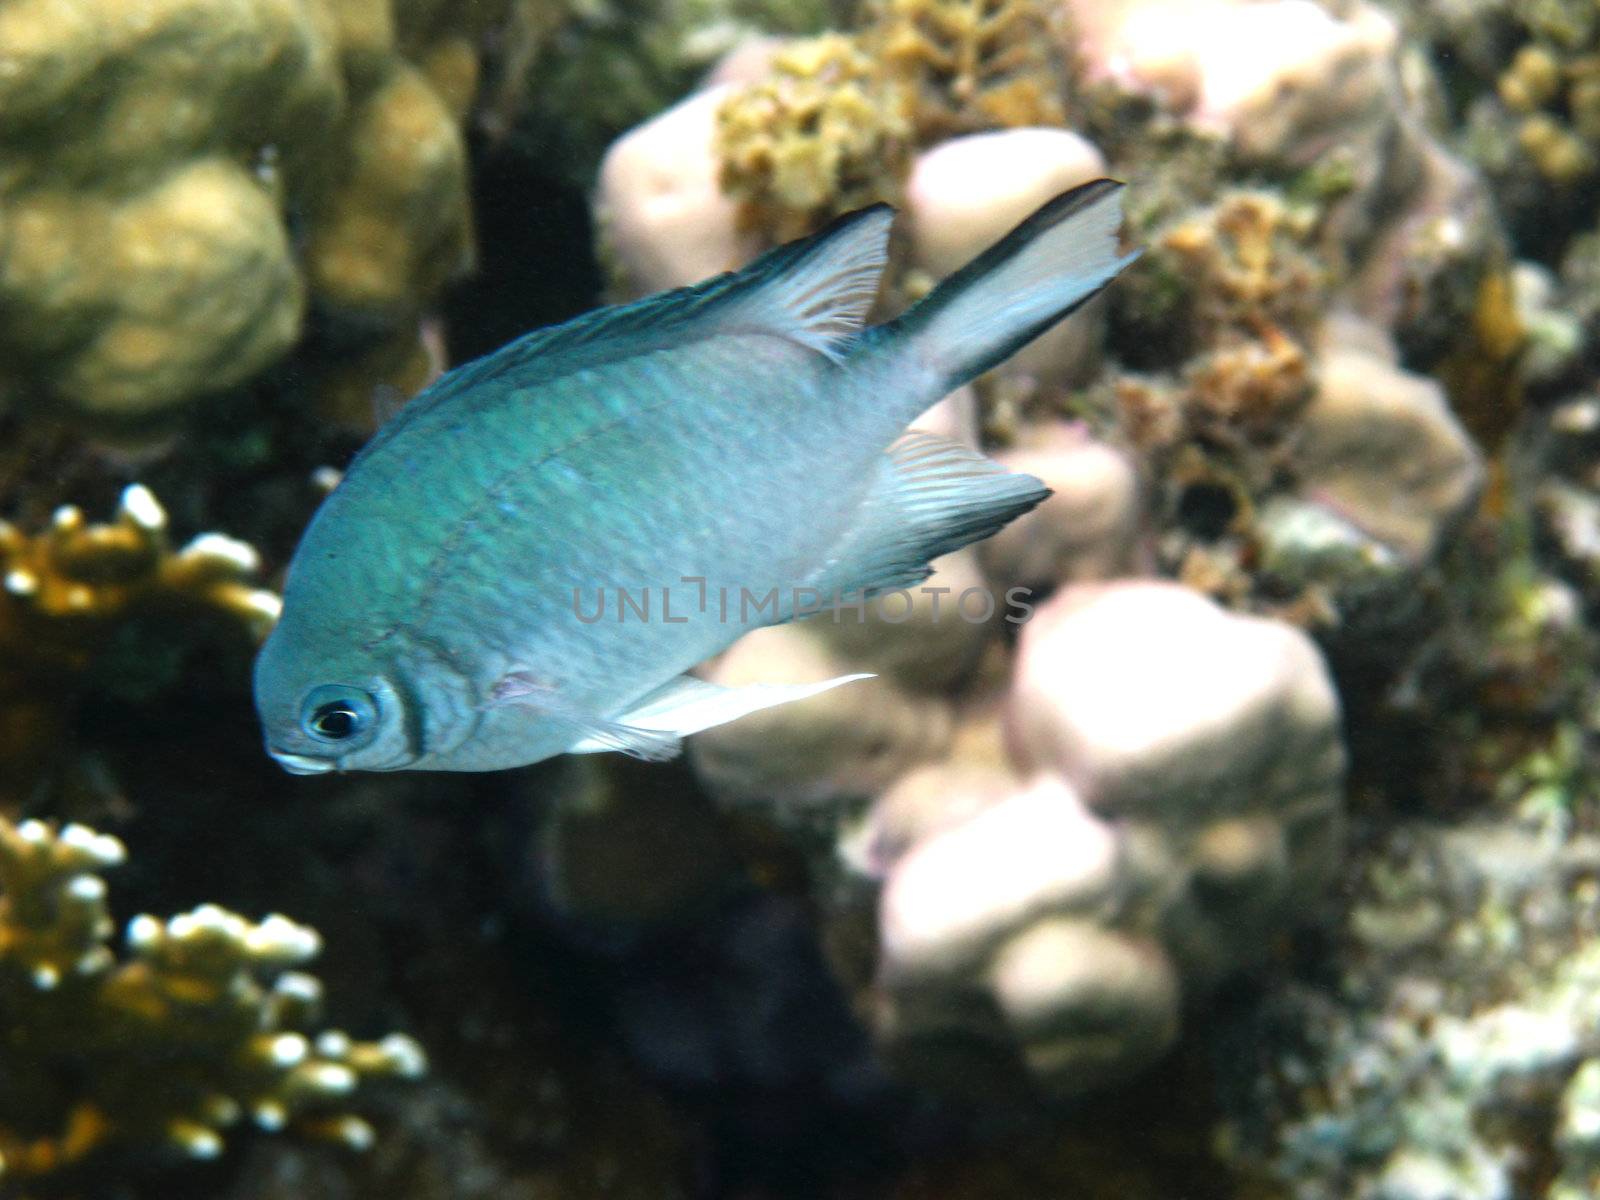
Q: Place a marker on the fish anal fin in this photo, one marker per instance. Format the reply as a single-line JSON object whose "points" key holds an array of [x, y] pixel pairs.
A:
{"points": [[933, 495]]}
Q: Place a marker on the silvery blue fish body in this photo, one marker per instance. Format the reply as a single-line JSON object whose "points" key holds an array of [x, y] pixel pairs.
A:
{"points": [[528, 558]]}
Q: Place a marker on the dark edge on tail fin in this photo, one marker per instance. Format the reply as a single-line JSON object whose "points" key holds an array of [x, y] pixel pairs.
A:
{"points": [[1050, 214]]}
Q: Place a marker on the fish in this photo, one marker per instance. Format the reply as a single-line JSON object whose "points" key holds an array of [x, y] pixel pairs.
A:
{"points": [[712, 457]]}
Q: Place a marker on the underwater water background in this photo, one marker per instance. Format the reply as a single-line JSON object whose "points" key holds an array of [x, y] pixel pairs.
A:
{"points": [[1261, 860]]}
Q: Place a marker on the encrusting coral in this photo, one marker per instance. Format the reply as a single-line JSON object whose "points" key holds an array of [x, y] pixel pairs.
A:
{"points": [[1457, 1035], [68, 593], [201, 1026]]}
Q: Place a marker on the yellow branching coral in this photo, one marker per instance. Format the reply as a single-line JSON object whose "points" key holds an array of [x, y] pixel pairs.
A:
{"points": [[201, 1027], [65, 594], [75, 570], [826, 132], [834, 124], [972, 64]]}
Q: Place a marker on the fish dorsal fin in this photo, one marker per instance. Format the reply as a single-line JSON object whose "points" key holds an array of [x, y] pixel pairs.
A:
{"points": [[815, 291]]}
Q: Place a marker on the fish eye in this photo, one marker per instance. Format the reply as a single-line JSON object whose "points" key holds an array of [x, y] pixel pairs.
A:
{"points": [[338, 714]]}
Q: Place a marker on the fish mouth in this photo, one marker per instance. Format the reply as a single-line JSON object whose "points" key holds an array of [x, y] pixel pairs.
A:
{"points": [[300, 764]]}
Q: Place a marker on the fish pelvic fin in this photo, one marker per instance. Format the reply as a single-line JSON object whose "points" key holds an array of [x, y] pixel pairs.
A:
{"points": [[652, 745], [933, 495], [1054, 262], [653, 727], [590, 733], [686, 705]]}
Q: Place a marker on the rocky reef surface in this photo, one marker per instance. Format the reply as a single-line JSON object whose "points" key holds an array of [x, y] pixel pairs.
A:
{"points": [[1225, 827]]}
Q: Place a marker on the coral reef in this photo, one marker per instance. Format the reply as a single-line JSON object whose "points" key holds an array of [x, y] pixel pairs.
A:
{"points": [[1520, 94], [1278, 81], [971, 65], [202, 1025], [810, 128], [1312, 604], [1174, 776], [666, 222], [1088, 528], [1234, 320], [833, 124], [578, 73]]}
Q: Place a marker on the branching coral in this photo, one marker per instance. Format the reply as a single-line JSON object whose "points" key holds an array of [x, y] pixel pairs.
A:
{"points": [[826, 132], [200, 1026], [68, 594], [972, 64], [833, 126]]}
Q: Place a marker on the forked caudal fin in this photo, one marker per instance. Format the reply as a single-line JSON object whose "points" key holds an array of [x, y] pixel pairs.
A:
{"points": [[1036, 275]]}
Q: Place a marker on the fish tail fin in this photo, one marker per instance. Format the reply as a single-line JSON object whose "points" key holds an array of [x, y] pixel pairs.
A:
{"points": [[1041, 271]]}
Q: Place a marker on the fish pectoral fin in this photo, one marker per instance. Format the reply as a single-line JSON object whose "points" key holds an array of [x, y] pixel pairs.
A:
{"points": [[687, 705], [932, 495]]}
